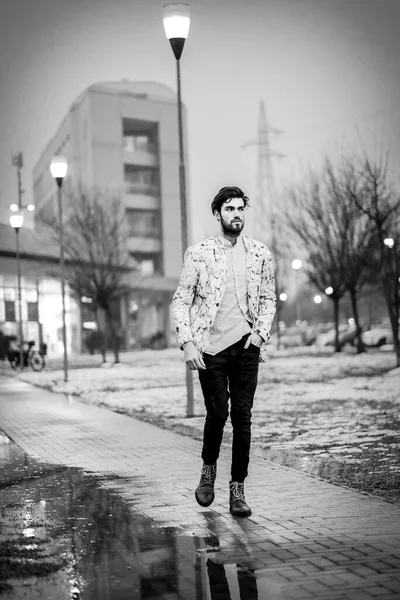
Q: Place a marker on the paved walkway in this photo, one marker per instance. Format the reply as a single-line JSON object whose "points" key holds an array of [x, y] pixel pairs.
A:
{"points": [[308, 538]]}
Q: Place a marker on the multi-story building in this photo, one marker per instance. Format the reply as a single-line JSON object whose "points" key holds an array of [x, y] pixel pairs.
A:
{"points": [[122, 138]]}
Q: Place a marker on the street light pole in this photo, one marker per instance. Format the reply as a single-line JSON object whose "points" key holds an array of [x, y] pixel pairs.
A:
{"points": [[58, 170], [176, 25], [16, 222]]}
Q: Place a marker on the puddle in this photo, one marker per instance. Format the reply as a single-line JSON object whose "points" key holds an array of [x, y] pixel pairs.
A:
{"points": [[64, 536]]}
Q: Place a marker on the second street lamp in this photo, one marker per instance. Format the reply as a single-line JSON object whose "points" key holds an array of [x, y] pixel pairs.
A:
{"points": [[58, 169], [177, 24], [16, 221]]}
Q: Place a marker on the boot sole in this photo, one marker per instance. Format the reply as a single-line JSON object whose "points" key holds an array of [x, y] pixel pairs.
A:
{"points": [[242, 514], [202, 503]]}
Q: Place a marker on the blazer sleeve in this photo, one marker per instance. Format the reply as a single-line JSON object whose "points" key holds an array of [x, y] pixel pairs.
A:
{"points": [[267, 301], [183, 298]]}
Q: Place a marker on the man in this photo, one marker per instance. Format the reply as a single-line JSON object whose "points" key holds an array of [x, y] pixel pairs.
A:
{"points": [[223, 310]]}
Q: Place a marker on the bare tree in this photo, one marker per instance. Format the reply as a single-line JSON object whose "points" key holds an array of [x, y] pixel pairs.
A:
{"points": [[335, 237], [308, 217], [357, 240], [369, 187], [97, 261]]}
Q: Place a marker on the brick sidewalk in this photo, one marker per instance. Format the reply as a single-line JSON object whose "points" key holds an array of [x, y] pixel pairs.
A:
{"points": [[312, 539]]}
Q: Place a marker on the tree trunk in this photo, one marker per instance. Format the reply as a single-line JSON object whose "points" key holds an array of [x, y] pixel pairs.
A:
{"points": [[114, 338], [101, 327], [336, 321], [354, 305]]}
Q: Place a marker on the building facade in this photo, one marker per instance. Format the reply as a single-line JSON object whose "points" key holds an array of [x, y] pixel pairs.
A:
{"points": [[122, 138]]}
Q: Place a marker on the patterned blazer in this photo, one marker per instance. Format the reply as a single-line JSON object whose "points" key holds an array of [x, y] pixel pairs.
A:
{"points": [[202, 285]]}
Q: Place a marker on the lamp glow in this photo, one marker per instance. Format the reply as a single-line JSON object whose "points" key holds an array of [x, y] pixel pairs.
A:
{"points": [[16, 221], [317, 299], [283, 297], [14, 207], [59, 167], [176, 20], [31, 207], [389, 242], [329, 291], [297, 264]]}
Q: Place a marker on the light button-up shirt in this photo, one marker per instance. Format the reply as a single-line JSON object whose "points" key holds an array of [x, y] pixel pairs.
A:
{"points": [[232, 319]]}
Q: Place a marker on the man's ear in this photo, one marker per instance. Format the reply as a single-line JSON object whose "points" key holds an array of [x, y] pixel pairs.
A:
{"points": [[217, 215]]}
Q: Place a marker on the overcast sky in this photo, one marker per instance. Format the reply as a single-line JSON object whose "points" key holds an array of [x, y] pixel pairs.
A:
{"points": [[328, 72]]}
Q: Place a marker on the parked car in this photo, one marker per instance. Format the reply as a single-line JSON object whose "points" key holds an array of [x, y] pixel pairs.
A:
{"points": [[377, 336], [347, 334]]}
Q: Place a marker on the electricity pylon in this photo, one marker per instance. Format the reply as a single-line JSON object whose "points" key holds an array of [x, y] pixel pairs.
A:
{"points": [[265, 221]]}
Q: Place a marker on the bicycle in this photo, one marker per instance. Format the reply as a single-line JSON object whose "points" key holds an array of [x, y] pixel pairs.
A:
{"points": [[31, 357]]}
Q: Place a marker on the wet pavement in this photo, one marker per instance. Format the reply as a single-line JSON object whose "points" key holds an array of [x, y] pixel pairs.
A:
{"points": [[65, 536], [98, 505]]}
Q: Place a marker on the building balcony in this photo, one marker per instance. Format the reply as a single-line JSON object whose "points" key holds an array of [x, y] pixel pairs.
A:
{"points": [[140, 158], [143, 245], [140, 200]]}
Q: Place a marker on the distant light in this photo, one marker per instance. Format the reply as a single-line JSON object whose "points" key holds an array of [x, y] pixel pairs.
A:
{"points": [[89, 325], [351, 321], [16, 221], [58, 167], [283, 297], [297, 264], [389, 242], [28, 532], [31, 207], [14, 207], [329, 291], [317, 299], [86, 300], [176, 20]]}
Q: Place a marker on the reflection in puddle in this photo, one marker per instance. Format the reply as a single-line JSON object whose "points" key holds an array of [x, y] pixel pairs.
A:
{"points": [[65, 537]]}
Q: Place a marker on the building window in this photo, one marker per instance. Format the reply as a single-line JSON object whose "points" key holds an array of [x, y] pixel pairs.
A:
{"points": [[141, 180], [143, 223], [33, 311], [10, 310], [139, 143]]}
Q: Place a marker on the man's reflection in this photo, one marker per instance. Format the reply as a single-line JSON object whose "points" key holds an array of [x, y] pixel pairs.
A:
{"points": [[217, 571], [219, 587]]}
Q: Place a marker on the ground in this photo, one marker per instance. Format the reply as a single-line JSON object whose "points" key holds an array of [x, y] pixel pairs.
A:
{"points": [[336, 416]]}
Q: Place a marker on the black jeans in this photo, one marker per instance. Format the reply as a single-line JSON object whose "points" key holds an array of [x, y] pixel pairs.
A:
{"points": [[230, 374]]}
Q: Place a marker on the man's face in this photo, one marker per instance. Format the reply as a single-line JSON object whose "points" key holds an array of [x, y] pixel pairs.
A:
{"points": [[232, 215]]}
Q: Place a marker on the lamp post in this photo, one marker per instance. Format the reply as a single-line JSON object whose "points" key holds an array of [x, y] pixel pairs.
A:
{"points": [[58, 169], [296, 266], [16, 221], [176, 25]]}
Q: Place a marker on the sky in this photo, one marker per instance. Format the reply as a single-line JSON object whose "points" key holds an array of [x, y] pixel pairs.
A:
{"points": [[328, 72]]}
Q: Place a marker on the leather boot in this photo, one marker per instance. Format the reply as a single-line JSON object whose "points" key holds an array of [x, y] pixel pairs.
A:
{"points": [[237, 501], [205, 490]]}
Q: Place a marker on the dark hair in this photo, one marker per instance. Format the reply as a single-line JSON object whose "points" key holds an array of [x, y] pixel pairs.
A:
{"points": [[225, 194]]}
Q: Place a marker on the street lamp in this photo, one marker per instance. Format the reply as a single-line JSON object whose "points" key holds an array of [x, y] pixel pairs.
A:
{"points": [[58, 169], [389, 242], [296, 266], [16, 222], [317, 299], [176, 18], [14, 207], [329, 291], [283, 297]]}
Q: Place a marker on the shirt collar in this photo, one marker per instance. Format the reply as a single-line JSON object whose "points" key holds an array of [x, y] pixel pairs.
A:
{"points": [[227, 243]]}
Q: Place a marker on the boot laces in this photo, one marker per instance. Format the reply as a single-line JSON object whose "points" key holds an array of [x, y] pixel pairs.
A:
{"points": [[237, 490], [208, 474]]}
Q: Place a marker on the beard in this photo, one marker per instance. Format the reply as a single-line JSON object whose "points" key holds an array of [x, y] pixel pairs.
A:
{"points": [[231, 228]]}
